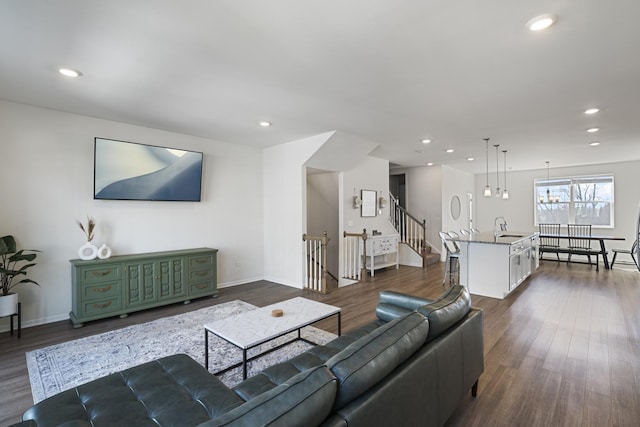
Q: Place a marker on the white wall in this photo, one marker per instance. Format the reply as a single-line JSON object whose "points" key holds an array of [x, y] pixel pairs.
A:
{"points": [[47, 176], [323, 213], [370, 174], [424, 198], [455, 183], [284, 204], [519, 209]]}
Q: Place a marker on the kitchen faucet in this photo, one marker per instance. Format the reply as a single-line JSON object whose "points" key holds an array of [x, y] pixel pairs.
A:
{"points": [[503, 226]]}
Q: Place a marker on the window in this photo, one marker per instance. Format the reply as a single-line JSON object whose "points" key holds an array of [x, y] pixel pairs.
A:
{"points": [[581, 200]]}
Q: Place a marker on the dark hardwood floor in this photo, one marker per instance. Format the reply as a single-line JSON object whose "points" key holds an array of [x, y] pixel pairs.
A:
{"points": [[562, 350]]}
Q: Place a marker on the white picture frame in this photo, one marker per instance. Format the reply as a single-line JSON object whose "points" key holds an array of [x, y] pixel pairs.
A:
{"points": [[369, 203]]}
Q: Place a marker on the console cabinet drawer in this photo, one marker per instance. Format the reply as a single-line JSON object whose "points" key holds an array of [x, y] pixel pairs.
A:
{"points": [[204, 261], [123, 284], [103, 290], [101, 274], [101, 307], [198, 275], [201, 288]]}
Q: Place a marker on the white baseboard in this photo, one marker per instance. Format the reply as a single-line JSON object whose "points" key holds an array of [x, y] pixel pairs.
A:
{"points": [[33, 322]]}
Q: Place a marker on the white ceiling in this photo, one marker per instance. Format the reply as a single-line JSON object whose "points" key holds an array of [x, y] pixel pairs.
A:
{"points": [[389, 71]]}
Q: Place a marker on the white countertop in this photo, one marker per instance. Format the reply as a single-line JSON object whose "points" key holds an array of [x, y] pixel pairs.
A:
{"points": [[504, 237]]}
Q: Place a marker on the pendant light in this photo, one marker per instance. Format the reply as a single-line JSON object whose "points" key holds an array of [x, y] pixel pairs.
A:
{"points": [[487, 189], [497, 172], [505, 193]]}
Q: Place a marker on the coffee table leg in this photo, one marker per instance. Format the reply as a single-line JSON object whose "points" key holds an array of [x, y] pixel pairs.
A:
{"points": [[244, 364], [206, 349], [339, 323]]}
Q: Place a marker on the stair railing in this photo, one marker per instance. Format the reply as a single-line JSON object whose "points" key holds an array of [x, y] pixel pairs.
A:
{"points": [[412, 231], [316, 273], [355, 255]]}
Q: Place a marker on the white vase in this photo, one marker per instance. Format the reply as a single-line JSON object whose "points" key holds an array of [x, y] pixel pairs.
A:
{"points": [[8, 304], [104, 252], [87, 251]]}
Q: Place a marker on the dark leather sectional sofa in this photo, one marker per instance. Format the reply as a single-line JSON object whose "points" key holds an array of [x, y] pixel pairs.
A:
{"points": [[411, 366]]}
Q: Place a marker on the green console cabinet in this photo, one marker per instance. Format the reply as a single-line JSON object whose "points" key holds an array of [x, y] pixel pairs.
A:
{"points": [[127, 283]]}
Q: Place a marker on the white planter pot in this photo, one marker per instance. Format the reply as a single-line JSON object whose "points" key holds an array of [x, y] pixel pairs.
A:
{"points": [[8, 304]]}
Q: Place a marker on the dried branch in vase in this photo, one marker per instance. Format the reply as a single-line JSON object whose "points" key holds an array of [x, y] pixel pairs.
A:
{"points": [[88, 231]]}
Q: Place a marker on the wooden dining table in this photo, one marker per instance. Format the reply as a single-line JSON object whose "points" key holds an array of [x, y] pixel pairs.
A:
{"points": [[599, 237]]}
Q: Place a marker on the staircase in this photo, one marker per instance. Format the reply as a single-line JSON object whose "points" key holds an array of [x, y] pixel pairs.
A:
{"points": [[412, 231], [318, 278]]}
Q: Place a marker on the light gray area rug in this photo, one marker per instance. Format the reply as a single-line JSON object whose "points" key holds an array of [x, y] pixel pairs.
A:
{"points": [[63, 366]]}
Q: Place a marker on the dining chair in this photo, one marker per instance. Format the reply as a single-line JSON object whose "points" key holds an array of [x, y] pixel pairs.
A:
{"points": [[452, 262], [631, 252], [549, 244], [580, 242]]}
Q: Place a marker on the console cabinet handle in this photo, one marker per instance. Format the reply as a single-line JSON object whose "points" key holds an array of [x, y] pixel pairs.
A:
{"points": [[101, 273], [105, 289], [105, 305]]}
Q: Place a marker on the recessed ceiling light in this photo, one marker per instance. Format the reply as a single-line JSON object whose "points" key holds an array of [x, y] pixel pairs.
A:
{"points": [[426, 141], [594, 143], [593, 130], [591, 111], [429, 164], [541, 22], [69, 72], [450, 150], [471, 159], [265, 124]]}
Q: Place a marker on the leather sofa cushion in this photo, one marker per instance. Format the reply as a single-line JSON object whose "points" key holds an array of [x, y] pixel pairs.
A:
{"points": [[275, 375], [305, 399], [174, 390], [451, 307], [392, 305], [372, 357]]}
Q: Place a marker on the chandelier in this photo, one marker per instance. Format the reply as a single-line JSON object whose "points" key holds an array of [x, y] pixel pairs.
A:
{"points": [[550, 198]]}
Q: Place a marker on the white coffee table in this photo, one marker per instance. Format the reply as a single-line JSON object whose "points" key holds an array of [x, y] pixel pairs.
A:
{"points": [[252, 328]]}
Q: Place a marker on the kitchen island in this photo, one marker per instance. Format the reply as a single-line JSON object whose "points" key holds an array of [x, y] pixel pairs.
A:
{"points": [[494, 265]]}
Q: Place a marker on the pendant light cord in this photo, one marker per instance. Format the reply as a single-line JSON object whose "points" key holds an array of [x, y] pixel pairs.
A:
{"points": [[486, 140], [505, 168], [497, 171]]}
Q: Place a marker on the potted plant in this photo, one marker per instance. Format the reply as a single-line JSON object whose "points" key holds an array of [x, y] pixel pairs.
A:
{"points": [[13, 263]]}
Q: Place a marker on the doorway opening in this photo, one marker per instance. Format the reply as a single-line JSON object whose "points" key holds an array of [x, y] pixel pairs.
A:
{"points": [[397, 187]]}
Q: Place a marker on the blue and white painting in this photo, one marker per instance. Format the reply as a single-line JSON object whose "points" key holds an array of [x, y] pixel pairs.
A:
{"points": [[131, 171]]}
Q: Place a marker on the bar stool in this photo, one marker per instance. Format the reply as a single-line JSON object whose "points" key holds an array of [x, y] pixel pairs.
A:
{"points": [[452, 262]]}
